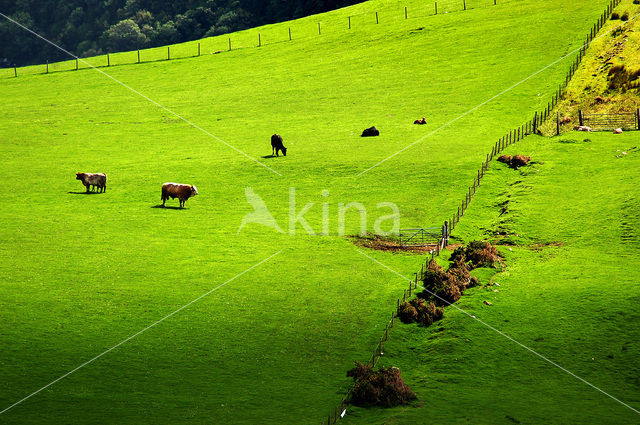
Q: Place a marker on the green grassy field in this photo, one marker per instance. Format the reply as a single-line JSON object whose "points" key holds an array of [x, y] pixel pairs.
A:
{"points": [[569, 291], [83, 272]]}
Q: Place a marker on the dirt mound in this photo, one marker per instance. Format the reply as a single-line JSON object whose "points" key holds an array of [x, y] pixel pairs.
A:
{"points": [[382, 387]]}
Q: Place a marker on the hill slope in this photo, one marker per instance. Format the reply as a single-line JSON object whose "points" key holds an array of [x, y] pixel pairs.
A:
{"points": [[83, 273]]}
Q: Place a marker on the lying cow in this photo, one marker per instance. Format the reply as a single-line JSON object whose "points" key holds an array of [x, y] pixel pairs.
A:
{"points": [[178, 190], [421, 122], [93, 180], [370, 132], [276, 145]]}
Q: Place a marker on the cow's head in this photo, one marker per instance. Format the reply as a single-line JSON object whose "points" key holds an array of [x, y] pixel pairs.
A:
{"points": [[194, 191], [80, 176], [284, 151]]}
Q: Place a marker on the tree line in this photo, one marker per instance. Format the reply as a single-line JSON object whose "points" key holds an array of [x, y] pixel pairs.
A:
{"points": [[94, 27]]}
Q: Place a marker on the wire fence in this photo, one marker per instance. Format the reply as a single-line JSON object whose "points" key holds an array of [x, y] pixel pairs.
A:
{"points": [[507, 140], [305, 29]]}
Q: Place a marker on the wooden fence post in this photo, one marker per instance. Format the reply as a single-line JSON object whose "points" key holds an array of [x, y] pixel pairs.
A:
{"points": [[349, 22], [558, 123], [436, 8], [405, 12], [535, 122], [638, 117], [289, 33], [138, 55], [108, 60], [76, 64], [168, 53], [319, 30], [377, 18], [580, 117], [260, 39], [464, 4], [198, 49], [15, 71], [229, 43], [47, 67]]}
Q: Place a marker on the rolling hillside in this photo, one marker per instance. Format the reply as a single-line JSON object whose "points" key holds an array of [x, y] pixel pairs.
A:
{"points": [[291, 313]]}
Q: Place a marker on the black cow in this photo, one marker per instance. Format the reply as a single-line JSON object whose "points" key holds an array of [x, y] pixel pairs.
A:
{"points": [[369, 132], [276, 145]]}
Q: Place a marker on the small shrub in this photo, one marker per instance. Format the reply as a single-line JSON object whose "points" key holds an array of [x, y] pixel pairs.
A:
{"points": [[505, 158], [447, 292], [618, 77], [615, 16], [407, 313], [636, 1], [382, 387], [480, 254], [515, 161], [519, 161], [624, 17], [433, 275]]}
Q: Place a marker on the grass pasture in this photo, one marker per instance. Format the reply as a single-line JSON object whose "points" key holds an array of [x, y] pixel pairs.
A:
{"points": [[569, 291], [83, 272]]}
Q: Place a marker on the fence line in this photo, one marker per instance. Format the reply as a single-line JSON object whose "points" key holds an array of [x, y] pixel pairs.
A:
{"points": [[505, 141], [196, 47]]}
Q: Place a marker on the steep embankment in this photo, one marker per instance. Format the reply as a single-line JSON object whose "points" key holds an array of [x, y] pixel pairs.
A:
{"points": [[608, 80]]}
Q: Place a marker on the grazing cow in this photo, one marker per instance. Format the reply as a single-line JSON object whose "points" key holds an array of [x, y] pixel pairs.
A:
{"points": [[93, 180], [178, 190], [276, 145], [369, 132], [421, 122]]}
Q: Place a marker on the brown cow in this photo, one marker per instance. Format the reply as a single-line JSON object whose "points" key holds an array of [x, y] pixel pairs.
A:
{"points": [[93, 180], [178, 190], [421, 122]]}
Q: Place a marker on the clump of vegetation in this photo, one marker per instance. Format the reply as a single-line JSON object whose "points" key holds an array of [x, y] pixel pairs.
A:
{"points": [[420, 311], [476, 254], [444, 288], [621, 78], [615, 16], [515, 161], [624, 17], [382, 387]]}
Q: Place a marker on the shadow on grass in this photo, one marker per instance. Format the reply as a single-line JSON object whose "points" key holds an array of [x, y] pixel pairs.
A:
{"points": [[167, 207], [85, 193], [269, 156]]}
